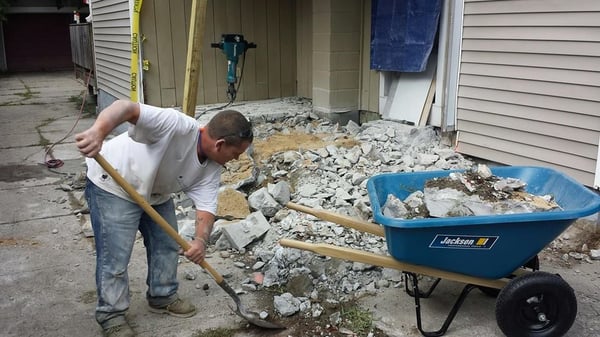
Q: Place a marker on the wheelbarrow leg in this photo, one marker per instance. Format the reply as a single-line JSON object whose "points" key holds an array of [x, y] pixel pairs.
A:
{"points": [[417, 296], [425, 294]]}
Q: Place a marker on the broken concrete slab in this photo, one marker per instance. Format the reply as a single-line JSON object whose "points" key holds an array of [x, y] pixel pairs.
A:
{"points": [[244, 232]]}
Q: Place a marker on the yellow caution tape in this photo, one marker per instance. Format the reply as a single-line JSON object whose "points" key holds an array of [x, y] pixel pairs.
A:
{"points": [[135, 50]]}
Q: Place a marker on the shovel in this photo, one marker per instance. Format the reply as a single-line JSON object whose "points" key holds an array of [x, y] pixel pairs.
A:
{"points": [[240, 309]]}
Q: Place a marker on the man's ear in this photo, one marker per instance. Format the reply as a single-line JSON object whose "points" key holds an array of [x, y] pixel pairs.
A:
{"points": [[219, 143]]}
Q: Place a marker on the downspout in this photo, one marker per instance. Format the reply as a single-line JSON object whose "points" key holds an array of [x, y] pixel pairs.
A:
{"points": [[453, 68], [441, 90]]}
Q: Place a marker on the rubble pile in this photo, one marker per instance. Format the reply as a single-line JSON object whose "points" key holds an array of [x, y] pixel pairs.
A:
{"points": [[334, 178]]}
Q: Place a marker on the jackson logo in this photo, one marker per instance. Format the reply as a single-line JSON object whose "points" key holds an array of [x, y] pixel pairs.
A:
{"points": [[463, 241]]}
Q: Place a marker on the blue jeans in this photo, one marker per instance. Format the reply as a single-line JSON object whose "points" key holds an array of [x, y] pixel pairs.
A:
{"points": [[115, 222]]}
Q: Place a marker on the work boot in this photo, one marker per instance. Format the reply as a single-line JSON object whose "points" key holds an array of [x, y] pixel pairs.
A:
{"points": [[178, 308], [123, 330]]}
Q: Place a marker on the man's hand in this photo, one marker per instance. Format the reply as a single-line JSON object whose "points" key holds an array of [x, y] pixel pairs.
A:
{"points": [[204, 223], [197, 251], [89, 142]]}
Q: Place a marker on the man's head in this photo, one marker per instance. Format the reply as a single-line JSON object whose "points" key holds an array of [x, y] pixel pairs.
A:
{"points": [[229, 134]]}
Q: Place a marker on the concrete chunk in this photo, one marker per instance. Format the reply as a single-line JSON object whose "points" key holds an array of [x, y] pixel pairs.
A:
{"points": [[262, 201], [242, 233], [280, 191]]}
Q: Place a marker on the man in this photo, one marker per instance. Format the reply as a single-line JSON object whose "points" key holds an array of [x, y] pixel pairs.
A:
{"points": [[164, 151]]}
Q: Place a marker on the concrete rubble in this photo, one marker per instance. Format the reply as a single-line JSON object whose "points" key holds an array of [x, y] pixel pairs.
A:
{"points": [[499, 195]]}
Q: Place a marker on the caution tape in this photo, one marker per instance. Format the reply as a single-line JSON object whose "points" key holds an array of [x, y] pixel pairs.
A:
{"points": [[135, 51]]}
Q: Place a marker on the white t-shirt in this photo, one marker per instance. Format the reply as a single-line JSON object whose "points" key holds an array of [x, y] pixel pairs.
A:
{"points": [[158, 156]]}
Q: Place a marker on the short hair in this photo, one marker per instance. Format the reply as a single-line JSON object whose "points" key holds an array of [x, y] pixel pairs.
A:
{"points": [[231, 126]]}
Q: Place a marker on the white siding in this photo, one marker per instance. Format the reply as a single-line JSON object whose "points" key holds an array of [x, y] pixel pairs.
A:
{"points": [[529, 85], [112, 45]]}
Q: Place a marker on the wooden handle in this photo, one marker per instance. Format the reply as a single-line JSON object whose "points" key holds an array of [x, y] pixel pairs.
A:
{"points": [[388, 262], [363, 226], [153, 213]]}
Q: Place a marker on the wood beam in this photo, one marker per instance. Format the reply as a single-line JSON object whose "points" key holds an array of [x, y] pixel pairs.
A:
{"points": [[194, 56]]}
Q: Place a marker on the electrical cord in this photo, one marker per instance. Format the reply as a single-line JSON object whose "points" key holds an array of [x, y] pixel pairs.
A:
{"points": [[54, 162], [236, 90]]}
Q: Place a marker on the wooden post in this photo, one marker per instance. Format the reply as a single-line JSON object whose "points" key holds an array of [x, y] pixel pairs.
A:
{"points": [[194, 56]]}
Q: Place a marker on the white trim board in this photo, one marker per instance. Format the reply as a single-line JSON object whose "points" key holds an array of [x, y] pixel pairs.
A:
{"points": [[408, 93], [597, 176]]}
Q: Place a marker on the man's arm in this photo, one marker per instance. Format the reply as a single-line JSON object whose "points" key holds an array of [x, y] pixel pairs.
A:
{"points": [[204, 225], [90, 141]]}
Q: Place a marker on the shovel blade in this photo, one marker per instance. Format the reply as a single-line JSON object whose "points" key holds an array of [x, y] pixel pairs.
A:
{"points": [[254, 318], [246, 314]]}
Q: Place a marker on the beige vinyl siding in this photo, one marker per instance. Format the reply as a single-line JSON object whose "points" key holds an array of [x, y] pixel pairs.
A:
{"points": [[529, 84], [112, 47]]}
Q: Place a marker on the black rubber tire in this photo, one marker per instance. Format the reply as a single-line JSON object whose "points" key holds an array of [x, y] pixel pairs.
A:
{"points": [[521, 301]]}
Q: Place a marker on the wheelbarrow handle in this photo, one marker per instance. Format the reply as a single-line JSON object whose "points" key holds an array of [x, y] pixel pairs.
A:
{"points": [[357, 255], [154, 214], [363, 226]]}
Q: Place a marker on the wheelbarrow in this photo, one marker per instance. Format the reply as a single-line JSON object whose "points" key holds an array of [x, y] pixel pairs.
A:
{"points": [[495, 253]]}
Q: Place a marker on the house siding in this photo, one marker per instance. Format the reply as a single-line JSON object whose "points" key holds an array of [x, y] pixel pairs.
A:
{"points": [[529, 84], [112, 46]]}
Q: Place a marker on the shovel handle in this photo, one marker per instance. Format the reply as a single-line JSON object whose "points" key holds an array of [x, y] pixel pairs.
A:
{"points": [[153, 213]]}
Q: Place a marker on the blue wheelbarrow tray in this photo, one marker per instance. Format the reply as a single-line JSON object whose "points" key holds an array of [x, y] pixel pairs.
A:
{"points": [[491, 246]]}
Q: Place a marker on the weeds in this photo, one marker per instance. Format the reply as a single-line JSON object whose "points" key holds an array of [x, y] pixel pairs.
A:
{"points": [[88, 109], [357, 320], [276, 289], [28, 93], [43, 140]]}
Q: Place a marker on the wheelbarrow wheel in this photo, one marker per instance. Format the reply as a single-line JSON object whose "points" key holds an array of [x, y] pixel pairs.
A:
{"points": [[537, 304]]}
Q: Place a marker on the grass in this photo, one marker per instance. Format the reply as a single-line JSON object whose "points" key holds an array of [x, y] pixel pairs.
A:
{"points": [[357, 320]]}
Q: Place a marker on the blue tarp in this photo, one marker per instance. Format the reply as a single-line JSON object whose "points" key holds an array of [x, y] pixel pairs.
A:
{"points": [[403, 33]]}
